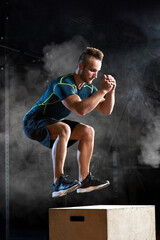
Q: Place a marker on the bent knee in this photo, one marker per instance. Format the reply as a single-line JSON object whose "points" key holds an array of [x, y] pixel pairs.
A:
{"points": [[65, 130], [59, 129], [88, 132]]}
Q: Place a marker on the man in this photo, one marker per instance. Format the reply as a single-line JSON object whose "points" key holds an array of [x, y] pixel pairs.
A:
{"points": [[45, 121]]}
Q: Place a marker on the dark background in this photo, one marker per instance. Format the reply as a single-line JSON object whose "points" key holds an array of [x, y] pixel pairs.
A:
{"points": [[41, 40]]}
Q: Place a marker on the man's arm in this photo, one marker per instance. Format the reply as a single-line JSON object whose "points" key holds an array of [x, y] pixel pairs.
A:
{"points": [[82, 107], [107, 104]]}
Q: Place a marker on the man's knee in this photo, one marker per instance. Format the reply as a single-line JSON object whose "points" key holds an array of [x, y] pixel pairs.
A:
{"points": [[59, 129], [88, 132], [65, 130]]}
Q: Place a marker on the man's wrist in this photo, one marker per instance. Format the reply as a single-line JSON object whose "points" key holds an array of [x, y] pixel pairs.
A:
{"points": [[112, 92], [104, 92]]}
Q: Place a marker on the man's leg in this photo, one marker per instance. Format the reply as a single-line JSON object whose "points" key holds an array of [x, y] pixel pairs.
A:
{"points": [[85, 135], [60, 132]]}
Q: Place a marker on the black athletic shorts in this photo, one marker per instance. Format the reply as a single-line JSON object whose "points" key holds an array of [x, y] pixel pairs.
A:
{"points": [[36, 130]]}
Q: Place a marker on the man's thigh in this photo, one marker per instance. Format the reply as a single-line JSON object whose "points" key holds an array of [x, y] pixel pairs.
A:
{"points": [[80, 131], [56, 128]]}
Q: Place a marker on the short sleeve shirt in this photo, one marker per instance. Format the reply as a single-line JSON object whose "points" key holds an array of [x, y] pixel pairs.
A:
{"points": [[50, 105]]}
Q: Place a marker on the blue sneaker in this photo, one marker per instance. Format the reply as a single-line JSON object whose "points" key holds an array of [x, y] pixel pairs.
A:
{"points": [[62, 187], [90, 184]]}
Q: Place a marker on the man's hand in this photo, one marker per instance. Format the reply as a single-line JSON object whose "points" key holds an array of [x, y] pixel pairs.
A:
{"points": [[108, 84]]}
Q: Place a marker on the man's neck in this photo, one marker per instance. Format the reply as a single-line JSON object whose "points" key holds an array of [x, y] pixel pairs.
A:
{"points": [[79, 82]]}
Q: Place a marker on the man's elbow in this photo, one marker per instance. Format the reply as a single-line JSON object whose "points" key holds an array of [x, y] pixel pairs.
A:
{"points": [[81, 112], [107, 112]]}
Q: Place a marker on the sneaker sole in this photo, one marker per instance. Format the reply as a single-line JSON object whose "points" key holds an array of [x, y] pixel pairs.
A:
{"points": [[92, 188], [64, 192]]}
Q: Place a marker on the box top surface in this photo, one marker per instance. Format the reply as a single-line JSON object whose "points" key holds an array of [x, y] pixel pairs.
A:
{"points": [[105, 207]]}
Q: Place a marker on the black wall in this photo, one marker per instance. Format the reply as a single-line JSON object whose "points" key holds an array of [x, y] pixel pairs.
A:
{"points": [[128, 34]]}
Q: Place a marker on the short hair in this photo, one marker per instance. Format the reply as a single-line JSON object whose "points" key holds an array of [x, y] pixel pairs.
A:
{"points": [[91, 52]]}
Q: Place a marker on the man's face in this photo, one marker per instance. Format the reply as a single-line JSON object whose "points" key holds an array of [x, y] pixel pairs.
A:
{"points": [[90, 71]]}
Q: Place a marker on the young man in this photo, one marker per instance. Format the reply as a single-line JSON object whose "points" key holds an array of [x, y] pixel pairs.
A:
{"points": [[45, 121]]}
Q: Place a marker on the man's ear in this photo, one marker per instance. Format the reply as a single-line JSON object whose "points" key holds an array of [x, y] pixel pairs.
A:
{"points": [[81, 66]]}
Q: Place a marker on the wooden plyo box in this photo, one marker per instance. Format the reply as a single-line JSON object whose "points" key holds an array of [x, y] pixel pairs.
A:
{"points": [[102, 222]]}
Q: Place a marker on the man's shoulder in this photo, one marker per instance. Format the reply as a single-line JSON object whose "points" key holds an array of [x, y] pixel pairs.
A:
{"points": [[90, 87], [63, 80], [67, 79]]}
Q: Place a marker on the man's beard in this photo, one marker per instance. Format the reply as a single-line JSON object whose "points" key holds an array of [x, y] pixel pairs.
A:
{"points": [[84, 79]]}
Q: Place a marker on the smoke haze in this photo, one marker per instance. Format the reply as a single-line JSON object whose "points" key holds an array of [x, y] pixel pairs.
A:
{"points": [[31, 163], [61, 59], [150, 144], [138, 83]]}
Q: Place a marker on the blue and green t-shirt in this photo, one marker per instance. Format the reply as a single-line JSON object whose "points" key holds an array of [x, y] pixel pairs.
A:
{"points": [[50, 105]]}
